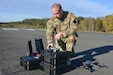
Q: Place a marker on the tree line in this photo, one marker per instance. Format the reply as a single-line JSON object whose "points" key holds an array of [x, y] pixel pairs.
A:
{"points": [[99, 24], [26, 23]]}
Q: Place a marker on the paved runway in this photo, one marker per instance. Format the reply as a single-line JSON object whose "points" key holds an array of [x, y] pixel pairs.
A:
{"points": [[96, 47]]}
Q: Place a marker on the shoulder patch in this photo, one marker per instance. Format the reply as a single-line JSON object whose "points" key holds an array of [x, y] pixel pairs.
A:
{"points": [[73, 16]]}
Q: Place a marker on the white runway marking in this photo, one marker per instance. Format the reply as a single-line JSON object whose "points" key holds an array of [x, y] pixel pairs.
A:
{"points": [[18, 29], [10, 29], [29, 29]]}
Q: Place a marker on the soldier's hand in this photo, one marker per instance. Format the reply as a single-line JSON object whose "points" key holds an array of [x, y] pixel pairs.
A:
{"points": [[58, 36], [49, 45]]}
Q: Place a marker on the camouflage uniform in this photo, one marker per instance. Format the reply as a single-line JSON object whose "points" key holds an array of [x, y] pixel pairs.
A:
{"points": [[68, 26]]}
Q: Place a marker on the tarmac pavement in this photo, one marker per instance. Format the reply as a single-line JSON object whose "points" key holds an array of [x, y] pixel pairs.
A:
{"points": [[94, 47]]}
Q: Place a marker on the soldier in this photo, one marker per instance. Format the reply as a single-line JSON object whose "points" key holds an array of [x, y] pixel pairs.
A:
{"points": [[62, 27]]}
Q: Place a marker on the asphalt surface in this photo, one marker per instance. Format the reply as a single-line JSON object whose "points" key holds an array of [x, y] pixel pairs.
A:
{"points": [[94, 47]]}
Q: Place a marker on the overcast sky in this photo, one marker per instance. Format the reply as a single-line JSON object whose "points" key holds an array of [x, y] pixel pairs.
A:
{"points": [[17, 10]]}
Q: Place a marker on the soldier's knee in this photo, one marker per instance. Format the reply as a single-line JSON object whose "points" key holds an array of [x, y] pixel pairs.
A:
{"points": [[71, 38]]}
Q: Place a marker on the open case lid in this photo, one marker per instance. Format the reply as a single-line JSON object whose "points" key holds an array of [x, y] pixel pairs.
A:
{"points": [[39, 44], [30, 48]]}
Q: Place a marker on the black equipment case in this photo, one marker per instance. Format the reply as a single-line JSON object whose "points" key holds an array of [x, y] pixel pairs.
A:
{"points": [[52, 69], [53, 62], [54, 58], [29, 62], [32, 60]]}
